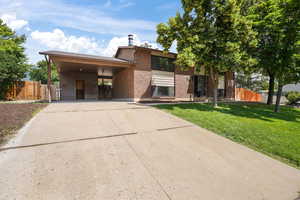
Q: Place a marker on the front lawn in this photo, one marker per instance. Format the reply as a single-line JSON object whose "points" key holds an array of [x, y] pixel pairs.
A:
{"points": [[13, 116], [254, 125]]}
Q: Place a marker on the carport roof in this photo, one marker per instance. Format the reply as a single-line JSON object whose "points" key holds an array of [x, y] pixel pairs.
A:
{"points": [[61, 56], [78, 55]]}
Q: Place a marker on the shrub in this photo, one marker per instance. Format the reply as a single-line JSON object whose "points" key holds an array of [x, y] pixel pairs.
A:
{"points": [[293, 97]]}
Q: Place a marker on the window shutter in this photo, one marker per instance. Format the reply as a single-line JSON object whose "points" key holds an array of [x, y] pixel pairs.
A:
{"points": [[162, 78]]}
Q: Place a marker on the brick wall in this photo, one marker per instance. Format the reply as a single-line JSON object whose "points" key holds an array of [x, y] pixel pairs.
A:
{"points": [[123, 84], [137, 83], [183, 84], [142, 74]]}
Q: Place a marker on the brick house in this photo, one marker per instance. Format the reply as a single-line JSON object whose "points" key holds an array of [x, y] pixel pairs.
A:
{"points": [[134, 74]]}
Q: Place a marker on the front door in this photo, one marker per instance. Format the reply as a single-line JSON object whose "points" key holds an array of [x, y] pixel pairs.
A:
{"points": [[80, 89]]}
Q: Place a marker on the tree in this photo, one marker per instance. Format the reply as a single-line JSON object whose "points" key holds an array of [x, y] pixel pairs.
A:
{"points": [[288, 26], [277, 24], [13, 65], [260, 14], [39, 72], [210, 33]]}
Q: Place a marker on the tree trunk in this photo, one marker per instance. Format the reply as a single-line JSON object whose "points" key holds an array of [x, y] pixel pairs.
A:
{"points": [[215, 96], [278, 97], [214, 80], [271, 89]]}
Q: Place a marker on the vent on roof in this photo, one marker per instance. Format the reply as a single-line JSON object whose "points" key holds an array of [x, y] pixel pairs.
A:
{"points": [[130, 40]]}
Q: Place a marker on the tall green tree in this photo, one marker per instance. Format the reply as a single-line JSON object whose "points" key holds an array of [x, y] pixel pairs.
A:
{"points": [[13, 66], [261, 14], [278, 25], [39, 72], [210, 33], [288, 68]]}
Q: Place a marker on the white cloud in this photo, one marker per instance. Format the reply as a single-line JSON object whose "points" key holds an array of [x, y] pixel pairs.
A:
{"points": [[113, 45], [59, 41], [12, 21], [115, 42], [93, 19], [96, 20], [27, 29]]}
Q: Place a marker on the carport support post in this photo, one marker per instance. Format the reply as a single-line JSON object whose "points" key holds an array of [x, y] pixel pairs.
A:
{"points": [[49, 78]]}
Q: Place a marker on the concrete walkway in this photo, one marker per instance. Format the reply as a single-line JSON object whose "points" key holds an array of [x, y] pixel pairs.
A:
{"points": [[115, 150]]}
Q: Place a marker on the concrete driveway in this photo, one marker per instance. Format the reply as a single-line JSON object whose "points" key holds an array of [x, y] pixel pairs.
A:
{"points": [[117, 150]]}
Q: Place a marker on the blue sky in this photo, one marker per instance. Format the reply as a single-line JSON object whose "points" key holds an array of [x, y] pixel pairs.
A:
{"points": [[85, 26]]}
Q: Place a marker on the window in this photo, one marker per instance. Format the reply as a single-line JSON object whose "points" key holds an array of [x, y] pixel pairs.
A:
{"points": [[200, 82], [162, 63], [221, 85], [162, 91]]}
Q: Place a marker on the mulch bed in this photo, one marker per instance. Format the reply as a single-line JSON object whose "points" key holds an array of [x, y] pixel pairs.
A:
{"points": [[14, 116]]}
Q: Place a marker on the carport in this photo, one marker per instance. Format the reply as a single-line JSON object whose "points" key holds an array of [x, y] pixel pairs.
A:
{"points": [[79, 73]]}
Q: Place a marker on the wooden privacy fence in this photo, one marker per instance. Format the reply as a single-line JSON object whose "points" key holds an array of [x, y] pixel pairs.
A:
{"points": [[30, 90], [54, 92], [243, 94]]}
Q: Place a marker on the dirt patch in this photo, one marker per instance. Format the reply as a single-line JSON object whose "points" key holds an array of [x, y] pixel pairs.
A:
{"points": [[14, 116]]}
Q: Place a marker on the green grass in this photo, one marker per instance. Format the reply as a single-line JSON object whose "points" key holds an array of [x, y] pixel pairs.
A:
{"points": [[254, 125]]}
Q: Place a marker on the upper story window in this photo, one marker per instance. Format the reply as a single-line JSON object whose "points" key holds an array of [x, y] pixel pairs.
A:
{"points": [[162, 63]]}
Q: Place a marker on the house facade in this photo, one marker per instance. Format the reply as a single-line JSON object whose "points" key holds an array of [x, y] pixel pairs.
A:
{"points": [[134, 74]]}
